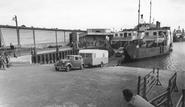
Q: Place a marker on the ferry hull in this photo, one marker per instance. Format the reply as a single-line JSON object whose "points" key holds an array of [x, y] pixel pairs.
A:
{"points": [[133, 53]]}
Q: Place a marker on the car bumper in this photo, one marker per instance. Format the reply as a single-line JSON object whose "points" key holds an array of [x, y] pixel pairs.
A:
{"points": [[60, 67]]}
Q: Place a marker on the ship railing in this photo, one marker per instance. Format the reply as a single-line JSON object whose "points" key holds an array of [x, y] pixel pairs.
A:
{"points": [[148, 82], [164, 99]]}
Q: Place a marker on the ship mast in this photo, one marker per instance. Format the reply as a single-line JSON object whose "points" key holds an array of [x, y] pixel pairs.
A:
{"points": [[139, 13], [150, 11]]}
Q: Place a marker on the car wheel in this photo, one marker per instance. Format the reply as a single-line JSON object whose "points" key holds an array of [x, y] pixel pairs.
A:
{"points": [[67, 68], [57, 69], [101, 65], [82, 66]]}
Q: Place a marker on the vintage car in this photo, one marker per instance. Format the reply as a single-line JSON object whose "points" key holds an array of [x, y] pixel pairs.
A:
{"points": [[119, 52], [70, 62]]}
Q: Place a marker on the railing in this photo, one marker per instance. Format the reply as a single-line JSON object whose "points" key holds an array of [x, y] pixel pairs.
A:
{"points": [[181, 101], [11, 52], [147, 83], [164, 99], [52, 57]]}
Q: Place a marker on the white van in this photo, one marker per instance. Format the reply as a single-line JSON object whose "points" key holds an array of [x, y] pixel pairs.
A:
{"points": [[94, 57]]}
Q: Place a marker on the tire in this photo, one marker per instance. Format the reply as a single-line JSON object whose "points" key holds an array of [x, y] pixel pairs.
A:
{"points": [[56, 69], [101, 65], [67, 68], [82, 67]]}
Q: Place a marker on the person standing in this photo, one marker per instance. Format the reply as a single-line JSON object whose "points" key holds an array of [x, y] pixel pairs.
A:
{"points": [[13, 50], [12, 47], [2, 61]]}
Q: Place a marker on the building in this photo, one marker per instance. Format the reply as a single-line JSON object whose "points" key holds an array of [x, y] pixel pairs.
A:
{"points": [[96, 35]]}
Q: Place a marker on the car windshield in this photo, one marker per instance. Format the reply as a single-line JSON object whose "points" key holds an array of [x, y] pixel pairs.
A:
{"points": [[120, 49], [69, 57]]}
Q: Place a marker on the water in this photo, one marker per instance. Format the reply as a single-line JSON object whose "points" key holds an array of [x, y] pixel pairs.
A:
{"points": [[173, 61]]}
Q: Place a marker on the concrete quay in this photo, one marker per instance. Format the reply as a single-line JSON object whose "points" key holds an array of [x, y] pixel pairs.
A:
{"points": [[36, 85]]}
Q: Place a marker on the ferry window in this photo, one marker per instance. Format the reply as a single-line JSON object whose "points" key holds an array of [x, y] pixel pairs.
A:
{"points": [[129, 34], [116, 34], [164, 33], [121, 34], [154, 33], [147, 33], [125, 34], [88, 55], [160, 32]]}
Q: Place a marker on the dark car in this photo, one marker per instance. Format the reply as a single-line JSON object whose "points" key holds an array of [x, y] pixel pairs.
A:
{"points": [[120, 52], [70, 62]]}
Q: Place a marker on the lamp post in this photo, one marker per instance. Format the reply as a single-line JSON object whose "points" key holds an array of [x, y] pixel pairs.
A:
{"points": [[17, 28], [34, 50], [57, 48]]}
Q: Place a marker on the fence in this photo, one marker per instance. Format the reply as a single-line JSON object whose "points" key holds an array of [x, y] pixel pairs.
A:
{"points": [[52, 57], [147, 83], [164, 99]]}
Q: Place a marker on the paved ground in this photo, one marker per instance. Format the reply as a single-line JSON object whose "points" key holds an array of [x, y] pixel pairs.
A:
{"points": [[42, 86]]}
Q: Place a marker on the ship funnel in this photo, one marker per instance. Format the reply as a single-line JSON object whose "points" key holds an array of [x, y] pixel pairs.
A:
{"points": [[158, 24]]}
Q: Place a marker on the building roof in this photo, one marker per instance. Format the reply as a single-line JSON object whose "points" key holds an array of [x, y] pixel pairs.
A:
{"points": [[91, 51], [98, 34]]}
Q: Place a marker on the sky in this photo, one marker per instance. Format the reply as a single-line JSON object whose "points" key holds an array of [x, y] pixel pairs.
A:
{"points": [[86, 14]]}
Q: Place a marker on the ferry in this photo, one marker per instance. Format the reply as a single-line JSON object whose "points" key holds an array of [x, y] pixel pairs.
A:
{"points": [[178, 35], [146, 39], [153, 41]]}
